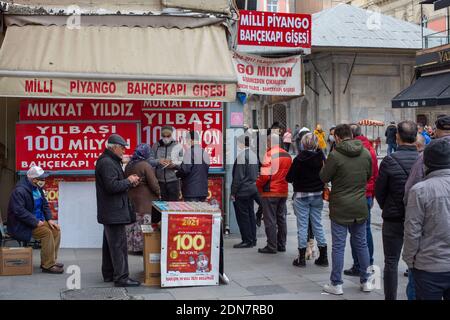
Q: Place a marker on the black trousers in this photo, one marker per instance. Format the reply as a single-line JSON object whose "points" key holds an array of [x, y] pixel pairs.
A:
{"points": [[114, 252], [170, 191], [259, 212], [392, 245], [245, 216]]}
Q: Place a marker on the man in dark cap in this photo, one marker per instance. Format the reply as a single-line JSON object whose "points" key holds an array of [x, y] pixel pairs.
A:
{"points": [[427, 242], [114, 212], [417, 172]]}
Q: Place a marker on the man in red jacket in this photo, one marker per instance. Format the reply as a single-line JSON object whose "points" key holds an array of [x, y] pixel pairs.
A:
{"points": [[273, 188], [370, 194]]}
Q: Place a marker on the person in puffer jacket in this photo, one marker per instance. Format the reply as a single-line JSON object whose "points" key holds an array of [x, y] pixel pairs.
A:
{"points": [[389, 192], [370, 194], [273, 188]]}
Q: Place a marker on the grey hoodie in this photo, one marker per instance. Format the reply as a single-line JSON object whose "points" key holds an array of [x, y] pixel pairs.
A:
{"points": [[172, 151]]}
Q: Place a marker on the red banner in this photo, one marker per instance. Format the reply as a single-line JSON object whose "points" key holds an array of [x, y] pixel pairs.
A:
{"points": [[274, 29], [67, 147], [159, 104], [208, 123], [215, 191], [79, 109]]}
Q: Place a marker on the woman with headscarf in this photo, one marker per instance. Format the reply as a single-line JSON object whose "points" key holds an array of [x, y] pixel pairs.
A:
{"points": [[142, 196]]}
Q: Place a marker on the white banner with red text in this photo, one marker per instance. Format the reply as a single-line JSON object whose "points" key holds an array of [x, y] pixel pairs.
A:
{"points": [[267, 76], [116, 89]]}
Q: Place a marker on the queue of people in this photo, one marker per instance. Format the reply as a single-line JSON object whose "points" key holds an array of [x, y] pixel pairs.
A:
{"points": [[409, 176], [412, 187]]}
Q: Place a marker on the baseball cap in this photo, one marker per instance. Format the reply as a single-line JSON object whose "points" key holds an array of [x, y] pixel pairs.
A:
{"points": [[117, 139], [36, 172]]}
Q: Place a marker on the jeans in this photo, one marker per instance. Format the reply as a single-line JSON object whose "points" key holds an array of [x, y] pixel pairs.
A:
{"points": [[392, 234], [410, 288], [431, 285], [369, 239], [392, 147], [309, 209], [245, 216], [274, 211], [359, 240]]}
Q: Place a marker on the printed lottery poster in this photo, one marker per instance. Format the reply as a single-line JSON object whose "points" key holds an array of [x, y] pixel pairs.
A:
{"points": [[208, 123], [190, 249]]}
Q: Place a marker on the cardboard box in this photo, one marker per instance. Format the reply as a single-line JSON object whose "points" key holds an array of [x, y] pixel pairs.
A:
{"points": [[152, 258], [16, 261]]}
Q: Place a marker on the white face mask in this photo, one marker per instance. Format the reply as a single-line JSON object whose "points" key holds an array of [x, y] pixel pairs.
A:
{"points": [[166, 140], [332, 138]]}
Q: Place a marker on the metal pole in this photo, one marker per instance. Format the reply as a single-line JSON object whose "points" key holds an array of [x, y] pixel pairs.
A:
{"points": [[421, 21]]}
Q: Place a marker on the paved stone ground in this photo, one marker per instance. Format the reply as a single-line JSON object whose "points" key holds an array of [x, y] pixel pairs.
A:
{"points": [[253, 275]]}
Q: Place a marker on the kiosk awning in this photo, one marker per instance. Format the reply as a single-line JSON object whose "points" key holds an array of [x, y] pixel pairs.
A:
{"points": [[427, 91], [117, 62]]}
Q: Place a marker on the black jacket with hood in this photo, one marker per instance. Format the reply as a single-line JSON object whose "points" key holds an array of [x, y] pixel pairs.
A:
{"points": [[304, 172]]}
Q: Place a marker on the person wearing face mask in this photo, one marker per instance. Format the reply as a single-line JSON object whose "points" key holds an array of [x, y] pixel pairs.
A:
{"points": [[29, 216], [169, 153]]}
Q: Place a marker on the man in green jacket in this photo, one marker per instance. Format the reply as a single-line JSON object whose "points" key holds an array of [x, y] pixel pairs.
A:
{"points": [[348, 167]]}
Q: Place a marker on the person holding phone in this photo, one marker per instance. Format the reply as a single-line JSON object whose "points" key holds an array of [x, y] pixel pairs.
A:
{"points": [[142, 196], [169, 154]]}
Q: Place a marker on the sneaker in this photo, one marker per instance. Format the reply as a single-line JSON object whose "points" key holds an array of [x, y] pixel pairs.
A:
{"points": [[367, 286], [223, 279], [336, 290]]}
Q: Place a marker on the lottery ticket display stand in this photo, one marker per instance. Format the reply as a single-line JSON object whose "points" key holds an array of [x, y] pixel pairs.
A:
{"points": [[190, 243]]}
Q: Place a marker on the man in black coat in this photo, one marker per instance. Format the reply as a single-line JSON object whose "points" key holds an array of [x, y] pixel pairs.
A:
{"points": [[389, 192], [193, 171], [114, 211], [244, 192]]}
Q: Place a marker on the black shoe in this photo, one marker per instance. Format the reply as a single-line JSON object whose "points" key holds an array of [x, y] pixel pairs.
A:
{"points": [[127, 283], [266, 250], [108, 279], [281, 249], [300, 260], [406, 273], [322, 261], [353, 272], [243, 245]]}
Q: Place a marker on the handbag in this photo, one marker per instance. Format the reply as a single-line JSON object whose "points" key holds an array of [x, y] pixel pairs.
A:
{"points": [[326, 193]]}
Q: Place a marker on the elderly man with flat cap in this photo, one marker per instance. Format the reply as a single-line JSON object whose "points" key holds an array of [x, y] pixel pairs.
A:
{"points": [[114, 211]]}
